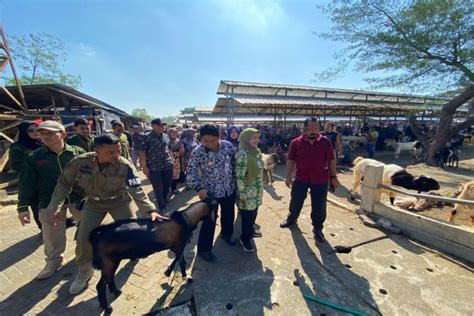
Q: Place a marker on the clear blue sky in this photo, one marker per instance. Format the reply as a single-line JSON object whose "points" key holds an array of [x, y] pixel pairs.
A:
{"points": [[167, 55]]}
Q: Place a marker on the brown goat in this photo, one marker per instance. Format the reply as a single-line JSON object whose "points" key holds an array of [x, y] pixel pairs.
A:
{"points": [[133, 239], [467, 193]]}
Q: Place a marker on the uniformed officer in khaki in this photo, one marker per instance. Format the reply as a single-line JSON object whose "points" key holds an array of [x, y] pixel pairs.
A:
{"points": [[109, 182]]}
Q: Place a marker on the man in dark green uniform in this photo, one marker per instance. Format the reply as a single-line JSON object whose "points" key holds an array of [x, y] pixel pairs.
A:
{"points": [[38, 178], [110, 183], [83, 137], [118, 130]]}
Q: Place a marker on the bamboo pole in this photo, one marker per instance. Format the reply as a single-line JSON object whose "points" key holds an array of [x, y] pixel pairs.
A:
{"points": [[4, 160], [14, 99], [6, 137], [7, 50]]}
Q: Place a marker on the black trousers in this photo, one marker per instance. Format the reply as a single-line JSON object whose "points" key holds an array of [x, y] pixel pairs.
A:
{"points": [[248, 220], [174, 184], [319, 193], [208, 227], [161, 183], [35, 210]]}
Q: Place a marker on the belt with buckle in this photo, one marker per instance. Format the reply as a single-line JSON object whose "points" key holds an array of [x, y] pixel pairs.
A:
{"points": [[107, 199]]}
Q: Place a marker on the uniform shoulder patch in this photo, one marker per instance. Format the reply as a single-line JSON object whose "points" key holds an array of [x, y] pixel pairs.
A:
{"points": [[132, 180]]}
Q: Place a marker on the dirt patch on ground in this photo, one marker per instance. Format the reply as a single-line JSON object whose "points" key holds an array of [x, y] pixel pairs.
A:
{"points": [[449, 178]]}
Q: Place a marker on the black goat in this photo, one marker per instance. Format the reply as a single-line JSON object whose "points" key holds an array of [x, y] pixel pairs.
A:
{"points": [[425, 184], [133, 239]]}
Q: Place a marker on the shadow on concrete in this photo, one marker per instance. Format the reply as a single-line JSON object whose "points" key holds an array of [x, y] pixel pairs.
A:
{"points": [[63, 299], [345, 193], [26, 297], [19, 251], [406, 244], [330, 280], [272, 192], [235, 284]]}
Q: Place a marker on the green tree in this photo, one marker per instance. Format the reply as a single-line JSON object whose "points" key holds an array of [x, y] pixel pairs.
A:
{"points": [[425, 46], [143, 114], [170, 119], [188, 110], [40, 58]]}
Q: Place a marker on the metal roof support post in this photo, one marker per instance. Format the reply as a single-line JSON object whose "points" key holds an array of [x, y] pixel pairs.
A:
{"points": [[53, 102], [275, 118], [350, 117], [229, 109], [324, 116]]}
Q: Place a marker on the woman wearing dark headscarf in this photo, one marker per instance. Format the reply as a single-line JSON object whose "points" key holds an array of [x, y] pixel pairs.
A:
{"points": [[25, 145], [21, 149], [233, 133]]}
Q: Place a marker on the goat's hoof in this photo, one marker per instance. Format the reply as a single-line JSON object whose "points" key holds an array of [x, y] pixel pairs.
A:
{"points": [[352, 198], [189, 280], [167, 273], [117, 293], [108, 310]]}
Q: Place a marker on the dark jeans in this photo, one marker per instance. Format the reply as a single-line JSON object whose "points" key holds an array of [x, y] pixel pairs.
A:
{"points": [[370, 150], [161, 183], [174, 184], [319, 193], [248, 220], [208, 228]]}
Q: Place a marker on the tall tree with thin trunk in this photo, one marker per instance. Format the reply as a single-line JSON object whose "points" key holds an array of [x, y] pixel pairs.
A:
{"points": [[424, 45], [40, 58]]}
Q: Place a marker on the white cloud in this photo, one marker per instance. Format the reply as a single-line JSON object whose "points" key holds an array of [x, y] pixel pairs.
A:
{"points": [[87, 50], [253, 14]]}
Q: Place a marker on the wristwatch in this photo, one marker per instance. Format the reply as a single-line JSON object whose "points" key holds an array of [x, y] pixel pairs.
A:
{"points": [[333, 177]]}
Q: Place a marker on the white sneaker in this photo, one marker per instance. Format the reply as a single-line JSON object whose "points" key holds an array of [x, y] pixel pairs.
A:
{"points": [[80, 283], [49, 270]]}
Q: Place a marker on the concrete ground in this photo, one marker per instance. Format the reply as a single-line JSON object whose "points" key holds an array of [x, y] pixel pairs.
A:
{"points": [[393, 276]]}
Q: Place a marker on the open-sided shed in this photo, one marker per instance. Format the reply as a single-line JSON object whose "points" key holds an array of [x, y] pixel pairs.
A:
{"points": [[283, 101], [51, 101]]}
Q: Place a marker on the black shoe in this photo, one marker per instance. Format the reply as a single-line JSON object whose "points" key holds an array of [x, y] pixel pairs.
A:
{"points": [[70, 222], [229, 240], [247, 246], [286, 223], [319, 236], [257, 233], [207, 255]]}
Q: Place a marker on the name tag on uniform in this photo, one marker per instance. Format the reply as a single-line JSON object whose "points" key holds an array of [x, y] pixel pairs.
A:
{"points": [[227, 166], [210, 164]]}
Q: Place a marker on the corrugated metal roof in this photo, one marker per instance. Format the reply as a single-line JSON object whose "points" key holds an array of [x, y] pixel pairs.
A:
{"points": [[254, 88], [276, 102]]}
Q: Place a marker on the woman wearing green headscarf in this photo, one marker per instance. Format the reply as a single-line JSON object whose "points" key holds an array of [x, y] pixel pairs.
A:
{"points": [[249, 168]]}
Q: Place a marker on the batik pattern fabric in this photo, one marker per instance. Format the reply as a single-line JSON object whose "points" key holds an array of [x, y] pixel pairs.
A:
{"points": [[213, 170], [249, 197]]}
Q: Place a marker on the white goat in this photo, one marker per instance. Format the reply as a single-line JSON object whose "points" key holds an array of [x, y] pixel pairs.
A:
{"points": [[398, 147]]}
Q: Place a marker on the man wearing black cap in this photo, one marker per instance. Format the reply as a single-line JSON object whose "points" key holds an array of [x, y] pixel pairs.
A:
{"points": [[157, 162]]}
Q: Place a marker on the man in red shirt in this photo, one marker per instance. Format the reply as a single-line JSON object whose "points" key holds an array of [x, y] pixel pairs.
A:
{"points": [[313, 156]]}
